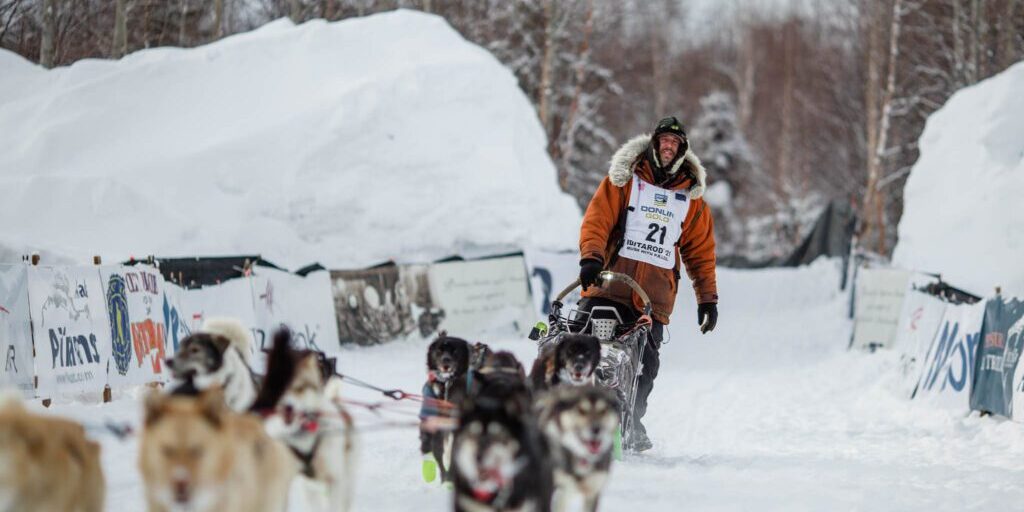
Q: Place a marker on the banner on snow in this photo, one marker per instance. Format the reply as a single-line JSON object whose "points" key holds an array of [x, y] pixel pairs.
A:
{"points": [[16, 331], [879, 301], [948, 369], [135, 300], [71, 329], [482, 295], [384, 303], [550, 273], [176, 320], [919, 320], [998, 353], [231, 299], [303, 304]]}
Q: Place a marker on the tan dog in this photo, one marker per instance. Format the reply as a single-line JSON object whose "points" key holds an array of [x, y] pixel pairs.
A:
{"points": [[47, 463], [197, 455]]}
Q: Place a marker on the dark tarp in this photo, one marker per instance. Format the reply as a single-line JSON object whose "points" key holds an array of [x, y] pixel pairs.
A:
{"points": [[197, 272]]}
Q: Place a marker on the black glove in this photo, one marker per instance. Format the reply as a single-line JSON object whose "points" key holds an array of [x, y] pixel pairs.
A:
{"points": [[589, 270], [707, 317]]}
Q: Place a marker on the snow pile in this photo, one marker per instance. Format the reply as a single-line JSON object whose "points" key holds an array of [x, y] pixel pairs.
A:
{"points": [[961, 214], [348, 143]]}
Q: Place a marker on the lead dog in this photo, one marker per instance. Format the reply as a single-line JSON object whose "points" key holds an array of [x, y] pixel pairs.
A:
{"points": [[572, 361], [216, 355], [498, 458], [301, 404], [197, 455], [46, 463], [580, 423]]}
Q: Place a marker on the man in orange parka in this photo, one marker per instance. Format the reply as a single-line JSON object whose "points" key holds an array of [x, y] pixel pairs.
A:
{"points": [[645, 220]]}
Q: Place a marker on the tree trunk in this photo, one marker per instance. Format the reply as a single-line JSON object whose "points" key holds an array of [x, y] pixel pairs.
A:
{"points": [[218, 19], [181, 23], [569, 132], [546, 71], [47, 51], [120, 46]]}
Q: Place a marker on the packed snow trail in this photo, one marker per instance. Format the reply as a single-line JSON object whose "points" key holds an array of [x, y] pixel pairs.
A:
{"points": [[769, 412]]}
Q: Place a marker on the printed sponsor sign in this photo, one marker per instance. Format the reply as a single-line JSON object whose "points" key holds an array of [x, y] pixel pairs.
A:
{"points": [[71, 329], [138, 329], [175, 320], [998, 353], [385, 303], [879, 301], [550, 273], [302, 304], [919, 320], [230, 299], [16, 370], [483, 295], [948, 369]]}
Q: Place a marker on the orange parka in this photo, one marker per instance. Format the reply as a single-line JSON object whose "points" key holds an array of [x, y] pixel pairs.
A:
{"points": [[602, 231]]}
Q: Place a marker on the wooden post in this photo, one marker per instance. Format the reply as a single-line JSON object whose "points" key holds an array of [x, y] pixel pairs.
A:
{"points": [[97, 260], [35, 259]]}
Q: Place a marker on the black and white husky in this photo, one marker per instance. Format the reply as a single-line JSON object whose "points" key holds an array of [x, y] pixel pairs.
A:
{"points": [[498, 459], [571, 361], [580, 423], [216, 355]]}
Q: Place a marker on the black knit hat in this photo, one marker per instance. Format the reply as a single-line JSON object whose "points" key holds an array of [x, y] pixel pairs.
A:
{"points": [[670, 125]]}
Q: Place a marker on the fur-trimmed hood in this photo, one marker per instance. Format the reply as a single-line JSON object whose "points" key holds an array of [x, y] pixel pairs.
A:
{"points": [[620, 168]]}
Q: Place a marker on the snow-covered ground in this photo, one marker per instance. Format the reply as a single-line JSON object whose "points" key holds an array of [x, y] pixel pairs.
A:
{"points": [[769, 412], [349, 143]]}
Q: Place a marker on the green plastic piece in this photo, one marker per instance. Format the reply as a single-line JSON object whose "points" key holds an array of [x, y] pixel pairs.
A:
{"points": [[429, 468], [617, 444]]}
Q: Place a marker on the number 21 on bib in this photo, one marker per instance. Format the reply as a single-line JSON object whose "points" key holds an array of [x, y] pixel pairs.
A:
{"points": [[654, 224]]}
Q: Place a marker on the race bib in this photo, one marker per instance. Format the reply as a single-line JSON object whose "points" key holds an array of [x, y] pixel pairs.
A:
{"points": [[654, 224]]}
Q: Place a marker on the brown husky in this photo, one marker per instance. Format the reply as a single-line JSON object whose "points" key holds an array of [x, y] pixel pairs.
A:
{"points": [[47, 463], [197, 455]]}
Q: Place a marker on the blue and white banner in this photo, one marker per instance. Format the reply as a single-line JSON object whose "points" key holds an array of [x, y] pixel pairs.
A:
{"points": [[998, 353], [71, 330], [231, 299], [138, 330], [919, 320], [303, 304], [948, 369], [17, 370], [550, 273]]}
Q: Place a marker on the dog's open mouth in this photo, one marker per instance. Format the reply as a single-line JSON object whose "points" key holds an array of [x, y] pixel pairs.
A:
{"points": [[593, 446]]}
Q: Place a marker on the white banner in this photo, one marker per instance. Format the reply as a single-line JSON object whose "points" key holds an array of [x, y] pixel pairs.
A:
{"points": [[482, 295], [138, 330], [71, 329], [879, 302], [550, 273], [232, 299], [303, 304], [919, 320], [176, 320], [16, 331], [948, 370]]}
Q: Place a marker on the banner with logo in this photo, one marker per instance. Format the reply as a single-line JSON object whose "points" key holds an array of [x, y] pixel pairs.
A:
{"points": [[550, 273], [919, 320], [16, 371], [948, 370], [483, 295], [303, 304], [230, 299], [71, 329], [385, 303], [176, 321], [138, 329], [998, 353], [879, 301]]}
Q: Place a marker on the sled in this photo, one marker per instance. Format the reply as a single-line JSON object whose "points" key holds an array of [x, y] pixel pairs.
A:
{"points": [[622, 344]]}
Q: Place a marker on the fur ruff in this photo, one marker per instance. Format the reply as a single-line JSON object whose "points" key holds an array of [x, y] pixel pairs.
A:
{"points": [[620, 168]]}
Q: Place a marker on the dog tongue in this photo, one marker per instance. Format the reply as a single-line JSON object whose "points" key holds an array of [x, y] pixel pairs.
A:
{"points": [[483, 495], [594, 446]]}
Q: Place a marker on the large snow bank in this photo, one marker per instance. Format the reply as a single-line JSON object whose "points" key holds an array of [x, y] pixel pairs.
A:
{"points": [[962, 212], [348, 143]]}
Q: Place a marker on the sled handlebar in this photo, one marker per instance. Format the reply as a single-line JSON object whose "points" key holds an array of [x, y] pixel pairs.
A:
{"points": [[608, 276]]}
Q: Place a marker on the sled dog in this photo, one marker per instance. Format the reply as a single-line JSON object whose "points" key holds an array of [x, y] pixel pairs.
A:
{"points": [[197, 455], [46, 463], [570, 361], [301, 403], [498, 458], [216, 355], [447, 370], [580, 423]]}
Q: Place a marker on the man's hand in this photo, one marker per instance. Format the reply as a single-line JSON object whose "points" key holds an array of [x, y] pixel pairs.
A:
{"points": [[589, 270], [707, 316]]}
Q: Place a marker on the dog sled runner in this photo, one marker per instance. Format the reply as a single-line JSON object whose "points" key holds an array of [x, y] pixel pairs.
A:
{"points": [[622, 343]]}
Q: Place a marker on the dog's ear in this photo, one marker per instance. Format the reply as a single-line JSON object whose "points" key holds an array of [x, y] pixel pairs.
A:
{"points": [[154, 405], [212, 406], [221, 342]]}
